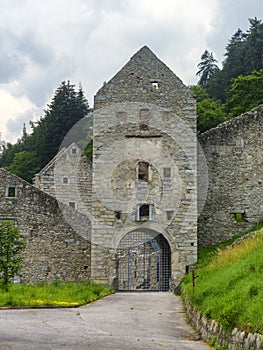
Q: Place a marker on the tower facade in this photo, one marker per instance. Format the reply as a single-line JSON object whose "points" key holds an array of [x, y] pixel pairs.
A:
{"points": [[144, 212]]}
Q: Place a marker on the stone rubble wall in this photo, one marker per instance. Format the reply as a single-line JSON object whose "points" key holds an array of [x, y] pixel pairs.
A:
{"points": [[210, 329], [144, 113], [76, 168], [234, 156], [134, 83], [118, 147], [57, 237]]}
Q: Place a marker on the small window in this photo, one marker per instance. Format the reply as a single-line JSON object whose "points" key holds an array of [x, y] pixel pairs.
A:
{"points": [[118, 214], [65, 181], [11, 192], [144, 212], [167, 173], [144, 127], [72, 205], [169, 214], [240, 143], [143, 171], [239, 217], [155, 85], [74, 150]]}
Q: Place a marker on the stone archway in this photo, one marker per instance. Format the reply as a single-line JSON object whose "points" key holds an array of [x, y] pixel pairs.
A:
{"points": [[144, 261]]}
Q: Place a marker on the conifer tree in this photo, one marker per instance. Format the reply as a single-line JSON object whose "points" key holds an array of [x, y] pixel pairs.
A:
{"points": [[207, 67]]}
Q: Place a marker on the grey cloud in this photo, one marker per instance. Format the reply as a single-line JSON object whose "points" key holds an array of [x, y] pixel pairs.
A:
{"points": [[11, 62], [32, 47], [15, 125], [232, 15], [17, 52]]}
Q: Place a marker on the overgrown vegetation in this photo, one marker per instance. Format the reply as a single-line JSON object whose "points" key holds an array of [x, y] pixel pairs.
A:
{"points": [[54, 294], [10, 249], [229, 288]]}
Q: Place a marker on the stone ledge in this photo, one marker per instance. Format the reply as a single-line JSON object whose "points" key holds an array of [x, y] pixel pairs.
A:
{"points": [[210, 328]]}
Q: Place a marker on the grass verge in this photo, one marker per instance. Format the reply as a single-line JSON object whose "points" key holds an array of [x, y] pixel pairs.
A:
{"points": [[229, 288], [58, 294]]}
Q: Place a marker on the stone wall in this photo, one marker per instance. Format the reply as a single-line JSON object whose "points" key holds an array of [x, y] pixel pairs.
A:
{"points": [[68, 177], [57, 237], [210, 329], [234, 157], [147, 79], [144, 114]]}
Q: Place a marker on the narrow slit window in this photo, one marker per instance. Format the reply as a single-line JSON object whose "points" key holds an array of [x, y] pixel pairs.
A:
{"points": [[167, 116], [11, 192], [167, 173], [65, 181], [143, 171]]}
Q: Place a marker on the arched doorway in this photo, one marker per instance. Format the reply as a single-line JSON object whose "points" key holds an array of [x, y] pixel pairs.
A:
{"points": [[144, 261]]}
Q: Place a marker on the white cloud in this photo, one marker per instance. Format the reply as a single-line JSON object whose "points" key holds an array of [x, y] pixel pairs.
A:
{"points": [[46, 42]]}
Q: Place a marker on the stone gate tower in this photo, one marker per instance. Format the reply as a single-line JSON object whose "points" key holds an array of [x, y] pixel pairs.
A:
{"points": [[144, 214]]}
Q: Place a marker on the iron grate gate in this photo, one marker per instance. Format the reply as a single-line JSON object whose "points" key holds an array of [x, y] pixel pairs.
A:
{"points": [[144, 262]]}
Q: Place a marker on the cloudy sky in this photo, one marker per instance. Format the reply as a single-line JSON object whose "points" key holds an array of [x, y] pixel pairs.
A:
{"points": [[46, 42]]}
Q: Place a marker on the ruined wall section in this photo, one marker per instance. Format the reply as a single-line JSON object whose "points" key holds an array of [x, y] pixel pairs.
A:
{"points": [[57, 237], [68, 177], [234, 154]]}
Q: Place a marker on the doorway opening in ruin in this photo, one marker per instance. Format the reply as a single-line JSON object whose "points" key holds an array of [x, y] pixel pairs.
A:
{"points": [[144, 262]]}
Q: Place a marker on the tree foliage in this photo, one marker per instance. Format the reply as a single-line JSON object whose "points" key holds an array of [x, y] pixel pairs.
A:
{"points": [[237, 87], [209, 111], [10, 249], [207, 67], [244, 54], [245, 93], [33, 151]]}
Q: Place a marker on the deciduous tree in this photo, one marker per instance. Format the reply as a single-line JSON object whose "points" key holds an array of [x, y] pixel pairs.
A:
{"points": [[10, 249]]}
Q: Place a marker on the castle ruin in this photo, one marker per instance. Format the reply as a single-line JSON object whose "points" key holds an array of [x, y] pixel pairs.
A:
{"points": [[131, 219]]}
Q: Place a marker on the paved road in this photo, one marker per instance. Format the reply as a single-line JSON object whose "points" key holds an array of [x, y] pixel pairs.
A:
{"points": [[120, 321]]}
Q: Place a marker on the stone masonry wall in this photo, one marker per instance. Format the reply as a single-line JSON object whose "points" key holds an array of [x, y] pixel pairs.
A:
{"points": [[144, 113], [54, 248], [210, 329], [147, 79], [68, 177], [234, 155]]}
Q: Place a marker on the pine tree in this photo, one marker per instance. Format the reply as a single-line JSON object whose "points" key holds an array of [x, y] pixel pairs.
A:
{"points": [[33, 151], [207, 67], [65, 110]]}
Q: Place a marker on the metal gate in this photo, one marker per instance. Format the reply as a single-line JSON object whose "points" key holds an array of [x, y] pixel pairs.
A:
{"points": [[143, 262]]}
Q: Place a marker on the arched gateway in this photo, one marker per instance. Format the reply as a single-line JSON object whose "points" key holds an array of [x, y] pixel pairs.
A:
{"points": [[144, 261], [144, 176]]}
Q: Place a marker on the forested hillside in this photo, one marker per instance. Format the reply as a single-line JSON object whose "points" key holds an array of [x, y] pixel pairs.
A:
{"points": [[236, 88]]}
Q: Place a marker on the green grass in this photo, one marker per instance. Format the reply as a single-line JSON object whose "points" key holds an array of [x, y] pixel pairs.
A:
{"points": [[54, 294], [229, 288]]}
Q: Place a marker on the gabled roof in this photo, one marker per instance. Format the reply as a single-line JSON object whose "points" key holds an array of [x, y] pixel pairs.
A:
{"points": [[58, 156], [144, 78]]}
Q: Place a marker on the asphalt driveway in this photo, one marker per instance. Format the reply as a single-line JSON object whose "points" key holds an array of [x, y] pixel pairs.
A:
{"points": [[120, 321]]}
